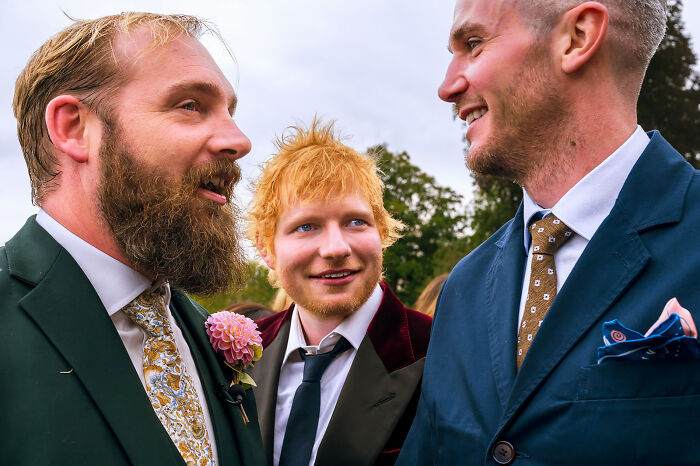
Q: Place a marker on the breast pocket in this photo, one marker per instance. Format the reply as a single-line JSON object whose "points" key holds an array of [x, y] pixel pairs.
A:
{"points": [[639, 412]]}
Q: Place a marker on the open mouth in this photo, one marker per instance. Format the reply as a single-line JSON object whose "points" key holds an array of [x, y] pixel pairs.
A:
{"points": [[216, 184], [334, 275], [475, 115]]}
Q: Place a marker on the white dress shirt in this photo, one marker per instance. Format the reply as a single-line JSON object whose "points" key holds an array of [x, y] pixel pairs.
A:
{"points": [[583, 208], [353, 328], [117, 285]]}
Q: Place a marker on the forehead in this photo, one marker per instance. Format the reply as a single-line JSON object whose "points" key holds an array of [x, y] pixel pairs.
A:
{"points": [[353, 201], [482, 17], [183, 62]]}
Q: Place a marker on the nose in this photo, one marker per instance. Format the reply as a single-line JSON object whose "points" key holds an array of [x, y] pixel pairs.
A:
{"points": [[333, 244], [228, 140], [455, 82]]}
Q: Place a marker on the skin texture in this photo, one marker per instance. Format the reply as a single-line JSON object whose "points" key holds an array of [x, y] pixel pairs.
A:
{"points": [[173, 115], [545, 127], [321, 237]]}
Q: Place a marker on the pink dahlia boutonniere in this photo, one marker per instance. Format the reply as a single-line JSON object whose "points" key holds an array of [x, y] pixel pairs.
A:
{"points": [[236, 337]]}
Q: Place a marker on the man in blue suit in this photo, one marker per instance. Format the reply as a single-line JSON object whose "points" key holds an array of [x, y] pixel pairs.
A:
{"points": [[548, 90]]}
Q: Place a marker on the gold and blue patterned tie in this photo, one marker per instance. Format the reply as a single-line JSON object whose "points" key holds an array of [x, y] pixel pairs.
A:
{"points": [[548, 234], [168, 384]]}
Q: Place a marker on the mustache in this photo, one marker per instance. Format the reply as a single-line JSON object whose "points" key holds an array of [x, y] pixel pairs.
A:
{"points": [[225, 169]]}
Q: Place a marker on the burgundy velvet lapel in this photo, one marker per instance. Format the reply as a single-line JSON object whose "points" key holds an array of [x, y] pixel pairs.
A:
{"points": [[399, 335], [270, 326]]}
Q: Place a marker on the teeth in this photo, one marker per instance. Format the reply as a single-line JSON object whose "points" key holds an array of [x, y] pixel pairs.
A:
{"points": [[336, 275], [478, 113], [215, 183]]}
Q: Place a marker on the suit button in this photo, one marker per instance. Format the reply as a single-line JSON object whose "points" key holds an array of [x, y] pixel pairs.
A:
{"points": [[503, 452]]}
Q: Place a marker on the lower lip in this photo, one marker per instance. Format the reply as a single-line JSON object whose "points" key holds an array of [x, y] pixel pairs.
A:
{"points": [[336, 281], [469, 127], [212, 196]]}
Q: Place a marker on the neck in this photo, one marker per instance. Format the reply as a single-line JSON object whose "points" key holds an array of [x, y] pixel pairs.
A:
{"points": [[316, 327], [575, 155], [85, 221]]}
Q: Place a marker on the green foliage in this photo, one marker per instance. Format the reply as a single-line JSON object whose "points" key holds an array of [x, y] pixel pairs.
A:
{"points": [[255, 288], [669, 101], [433, 240], [670, 97]]}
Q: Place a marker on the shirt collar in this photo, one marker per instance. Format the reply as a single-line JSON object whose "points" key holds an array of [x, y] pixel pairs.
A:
{"points": [[353, 328], [584, 207], [116, 284]]}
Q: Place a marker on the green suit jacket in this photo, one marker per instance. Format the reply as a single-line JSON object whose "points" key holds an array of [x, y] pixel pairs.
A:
{"points": [[69, 393]]}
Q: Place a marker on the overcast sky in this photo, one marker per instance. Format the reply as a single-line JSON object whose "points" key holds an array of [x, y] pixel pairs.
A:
{"points": [[373, 66]]}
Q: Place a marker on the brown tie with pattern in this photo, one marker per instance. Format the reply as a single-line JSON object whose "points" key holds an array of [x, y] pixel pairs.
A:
{"points": [[548, 234]]}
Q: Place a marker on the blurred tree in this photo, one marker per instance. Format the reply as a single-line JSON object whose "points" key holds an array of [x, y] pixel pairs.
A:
{"points": [[256, 288], [670, 98], [669, 101], [434, 238]]}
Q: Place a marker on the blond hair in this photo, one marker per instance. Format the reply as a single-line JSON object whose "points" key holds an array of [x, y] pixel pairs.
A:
{"points": [[80, 61], [427, 300], [313, 164]]}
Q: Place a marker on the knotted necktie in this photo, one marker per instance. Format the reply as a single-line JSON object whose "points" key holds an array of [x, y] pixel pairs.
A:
{"points": [[168, 384], [300, 434], [548, 234]]}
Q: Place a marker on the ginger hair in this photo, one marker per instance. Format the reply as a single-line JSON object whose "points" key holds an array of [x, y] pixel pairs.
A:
{"points": [[310, 165]]}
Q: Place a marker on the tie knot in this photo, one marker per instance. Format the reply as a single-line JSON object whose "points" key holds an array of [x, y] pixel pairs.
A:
{"points": [[548, 234], [316, 364], [147, 311]]}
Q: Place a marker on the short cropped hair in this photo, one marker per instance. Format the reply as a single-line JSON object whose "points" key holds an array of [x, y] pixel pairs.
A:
{"points": [[80, 61], [636, 27], [310, 165]]}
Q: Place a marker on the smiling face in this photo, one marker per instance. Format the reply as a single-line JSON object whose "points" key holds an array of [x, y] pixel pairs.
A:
{"points": [[168, 165], [501, 81], [327, 254]]}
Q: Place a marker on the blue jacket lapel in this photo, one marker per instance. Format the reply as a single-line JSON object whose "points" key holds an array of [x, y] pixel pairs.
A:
{"points": [[504, 283], [613, 258]]}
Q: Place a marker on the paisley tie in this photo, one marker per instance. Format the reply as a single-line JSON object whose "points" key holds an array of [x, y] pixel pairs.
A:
{"points": [[168, 384]]}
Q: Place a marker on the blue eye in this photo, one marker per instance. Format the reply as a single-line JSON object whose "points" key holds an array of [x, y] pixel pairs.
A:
{"points": [[357, 222], [304, 227], [190, 106]]}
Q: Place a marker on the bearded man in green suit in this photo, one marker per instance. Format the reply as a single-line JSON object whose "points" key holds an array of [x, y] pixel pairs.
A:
{"points": [[125, 124]]}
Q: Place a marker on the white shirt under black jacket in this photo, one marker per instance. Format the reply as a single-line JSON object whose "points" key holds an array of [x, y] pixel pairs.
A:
{"points": [[117, 285], [353, 328], [583, 208]]}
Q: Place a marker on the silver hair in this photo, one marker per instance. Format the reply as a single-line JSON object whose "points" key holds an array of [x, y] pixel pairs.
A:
{"points": [[636, 27]]}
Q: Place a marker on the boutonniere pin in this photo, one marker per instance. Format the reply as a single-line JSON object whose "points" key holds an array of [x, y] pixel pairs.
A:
{"points": [[236, 338]]}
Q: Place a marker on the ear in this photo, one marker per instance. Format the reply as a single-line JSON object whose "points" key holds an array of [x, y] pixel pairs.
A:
{"points": [[580, 34], [66, 121], [266, 256]]}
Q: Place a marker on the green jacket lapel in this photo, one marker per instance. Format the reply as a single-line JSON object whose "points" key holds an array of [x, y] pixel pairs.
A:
{"points": [[371, 397], [237, 443], [67, 309]]}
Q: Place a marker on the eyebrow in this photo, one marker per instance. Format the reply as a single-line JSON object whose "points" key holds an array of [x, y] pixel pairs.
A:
{"points": [[204, 87], [465, 30]]}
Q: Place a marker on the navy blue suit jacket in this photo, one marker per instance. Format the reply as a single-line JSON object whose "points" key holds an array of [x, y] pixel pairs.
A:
{"points": [[561, 407]]}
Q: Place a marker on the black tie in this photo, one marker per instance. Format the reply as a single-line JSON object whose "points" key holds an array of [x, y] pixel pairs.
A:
{"points": [[300, 433]]}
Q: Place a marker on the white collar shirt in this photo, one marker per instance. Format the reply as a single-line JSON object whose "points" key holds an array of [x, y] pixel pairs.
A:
{"points": [[117, 284], [353, 328], [583, 208]]}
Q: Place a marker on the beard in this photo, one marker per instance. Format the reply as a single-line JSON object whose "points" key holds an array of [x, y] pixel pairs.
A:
{"points": [[325, 306], [531, 126], [163, 228]]}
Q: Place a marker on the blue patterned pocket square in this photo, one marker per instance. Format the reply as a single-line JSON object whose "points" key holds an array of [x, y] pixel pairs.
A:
{"points": [[665, 341]]}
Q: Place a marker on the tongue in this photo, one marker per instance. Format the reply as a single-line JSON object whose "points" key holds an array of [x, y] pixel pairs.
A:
{"points": [[211, 195]]}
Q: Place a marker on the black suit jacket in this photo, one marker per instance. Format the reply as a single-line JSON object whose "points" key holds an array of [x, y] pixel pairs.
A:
{"points": [[378, 400], [69, 393]]}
